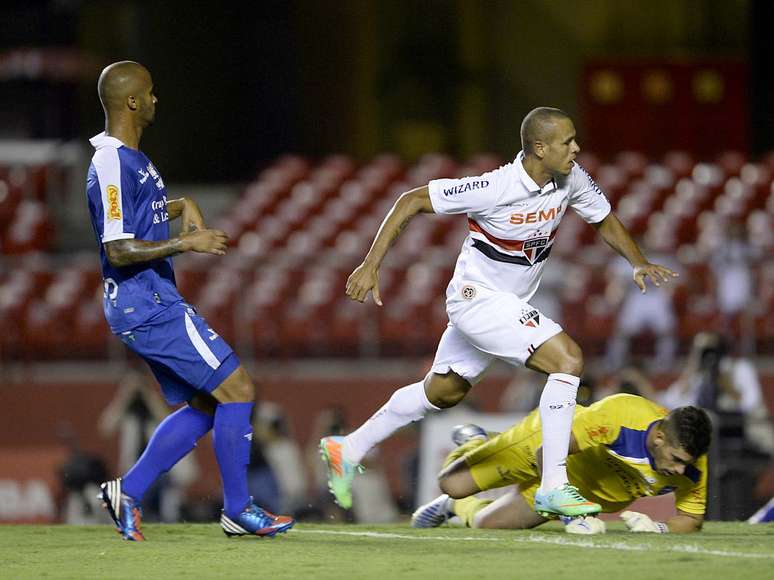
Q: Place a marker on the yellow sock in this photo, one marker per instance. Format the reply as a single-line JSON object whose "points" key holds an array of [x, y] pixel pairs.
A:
{"points": [[468, 507]]}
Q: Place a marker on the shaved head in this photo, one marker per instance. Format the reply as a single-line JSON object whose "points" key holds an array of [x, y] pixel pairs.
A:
{"points": [[126, 91], [119, 81], [539, 125]]}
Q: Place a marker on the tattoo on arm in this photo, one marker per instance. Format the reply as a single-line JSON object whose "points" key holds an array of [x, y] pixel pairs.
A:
{"points": [[127, 252]]}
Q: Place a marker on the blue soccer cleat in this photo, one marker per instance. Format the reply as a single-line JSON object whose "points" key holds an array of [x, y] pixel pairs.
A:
{"points": [[255, 521], [125, 511], [432, 514]]}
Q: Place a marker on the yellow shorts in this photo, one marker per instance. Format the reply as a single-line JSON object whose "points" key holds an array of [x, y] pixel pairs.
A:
{"points": [[509, 458]]}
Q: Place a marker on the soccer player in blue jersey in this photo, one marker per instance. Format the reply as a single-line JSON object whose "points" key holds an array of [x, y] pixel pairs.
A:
{"points": [[130, 213]]}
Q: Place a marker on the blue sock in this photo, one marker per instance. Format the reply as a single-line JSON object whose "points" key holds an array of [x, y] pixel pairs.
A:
{"points": [[232, 437], [173, 439]]}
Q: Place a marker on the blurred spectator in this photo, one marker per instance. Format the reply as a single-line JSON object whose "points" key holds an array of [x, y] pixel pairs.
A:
{"points": [[652, 311], [522, 393], [726, 383], [283, 455], [262, 482], [80, 476], [134, 413], [731, 262], [372, 502], [630, 380]]}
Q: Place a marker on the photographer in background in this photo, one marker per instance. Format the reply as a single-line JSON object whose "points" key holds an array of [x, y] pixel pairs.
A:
{"points": [[725, 383]]}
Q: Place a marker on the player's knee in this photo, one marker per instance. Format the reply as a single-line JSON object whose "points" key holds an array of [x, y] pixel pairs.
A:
{"points": [[238, 388], [447, 399], [447, 390], [452, 487], [571, 362]]}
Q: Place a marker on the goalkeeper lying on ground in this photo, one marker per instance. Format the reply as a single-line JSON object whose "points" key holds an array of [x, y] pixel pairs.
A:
{"points": [[622, 448]]}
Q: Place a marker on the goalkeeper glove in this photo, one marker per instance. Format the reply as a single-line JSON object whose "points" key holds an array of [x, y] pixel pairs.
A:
{"points": [[637, 522], [585, 526]]}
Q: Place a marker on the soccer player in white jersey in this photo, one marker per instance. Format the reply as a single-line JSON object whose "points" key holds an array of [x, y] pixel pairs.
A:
{"points": [[513, 213]]}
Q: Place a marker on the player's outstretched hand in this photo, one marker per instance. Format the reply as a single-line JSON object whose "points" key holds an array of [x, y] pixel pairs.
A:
{"points": [[364, 279], [205, 242], [656, 273], [637, 522]]}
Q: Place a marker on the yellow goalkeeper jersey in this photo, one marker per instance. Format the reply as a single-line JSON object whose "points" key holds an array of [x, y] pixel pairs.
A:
{"points": [[612, 468]]}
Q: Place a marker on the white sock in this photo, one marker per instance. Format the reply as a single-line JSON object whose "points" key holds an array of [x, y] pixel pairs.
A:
{"points": [[406, 405], [557, 408]]}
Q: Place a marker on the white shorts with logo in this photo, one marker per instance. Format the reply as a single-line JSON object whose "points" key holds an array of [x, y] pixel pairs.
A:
{"points": [[485, 325]]}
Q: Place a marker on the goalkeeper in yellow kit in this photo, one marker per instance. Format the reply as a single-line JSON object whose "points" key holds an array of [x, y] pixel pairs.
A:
{"points": [[622, 448]]}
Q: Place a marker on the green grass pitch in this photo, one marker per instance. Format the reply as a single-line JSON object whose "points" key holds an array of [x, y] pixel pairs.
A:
{"points": [[722, 550]]}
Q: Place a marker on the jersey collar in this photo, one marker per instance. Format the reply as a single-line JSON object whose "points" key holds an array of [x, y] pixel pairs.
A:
{"points": [[651, 459], [528, 182], [102, 140]]}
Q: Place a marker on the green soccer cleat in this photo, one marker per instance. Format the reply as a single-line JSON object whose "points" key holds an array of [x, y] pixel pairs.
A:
{"points": [[340, 471], [564, 501]]}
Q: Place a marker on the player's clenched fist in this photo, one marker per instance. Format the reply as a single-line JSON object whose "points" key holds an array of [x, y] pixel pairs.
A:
{"points": [[205, 241], [363, 279]]}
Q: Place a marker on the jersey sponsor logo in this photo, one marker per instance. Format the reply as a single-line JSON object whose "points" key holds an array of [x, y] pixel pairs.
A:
{"points": [[160, 213], [467, 186], [468, 292], [595, 433], [114, 204], [534, 217], [143, 175], [530, 318]]}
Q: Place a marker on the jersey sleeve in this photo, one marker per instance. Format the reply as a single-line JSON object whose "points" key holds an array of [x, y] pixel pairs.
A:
{"points": [[586, 197], [594, 426], [116, 195], [692, 497], [468, 194]]}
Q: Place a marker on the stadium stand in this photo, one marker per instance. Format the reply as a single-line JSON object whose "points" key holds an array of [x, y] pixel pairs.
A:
{"points": [[302, 226]]}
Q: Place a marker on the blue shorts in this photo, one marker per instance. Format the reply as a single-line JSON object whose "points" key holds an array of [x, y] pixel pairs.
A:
{"points": [[185, 354]]}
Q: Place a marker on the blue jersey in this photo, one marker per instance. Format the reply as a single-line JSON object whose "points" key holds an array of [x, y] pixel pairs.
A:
{"points": [[127, 199]]}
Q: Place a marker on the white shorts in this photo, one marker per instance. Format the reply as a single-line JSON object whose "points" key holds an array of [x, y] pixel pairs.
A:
{"points": [[485, 325]]}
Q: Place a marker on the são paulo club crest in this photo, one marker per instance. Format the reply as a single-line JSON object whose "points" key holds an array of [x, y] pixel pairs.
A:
{"points": [[530, 317], [532, 248]]}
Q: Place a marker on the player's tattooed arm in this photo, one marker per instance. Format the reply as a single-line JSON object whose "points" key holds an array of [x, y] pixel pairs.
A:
{"points": [[365, 277], [193, 220], [617, 237], [128, 252]]}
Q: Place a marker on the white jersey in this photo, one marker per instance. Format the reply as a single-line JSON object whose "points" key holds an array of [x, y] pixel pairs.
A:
{"points": [[513, 223]]}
